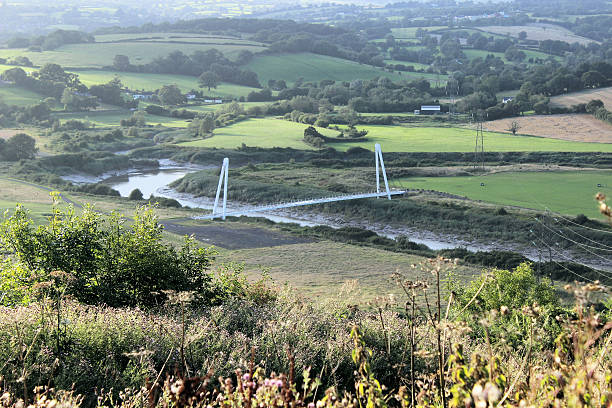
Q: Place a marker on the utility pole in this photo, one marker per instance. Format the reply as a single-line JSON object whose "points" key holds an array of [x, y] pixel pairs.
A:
{"points": [[479, 145]]}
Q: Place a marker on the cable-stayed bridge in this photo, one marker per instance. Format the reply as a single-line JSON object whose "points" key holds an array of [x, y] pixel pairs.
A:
{"points": [[223, 180]]}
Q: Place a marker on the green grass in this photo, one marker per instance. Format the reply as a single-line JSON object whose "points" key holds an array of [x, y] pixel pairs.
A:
{"points": [[13, 95], [439, 139], [314, 68], [416, 65], [566, 192], [410, 32], [174, 37], [113, 118], [321, 269], [98, 55], [259, 133], [151, 82]]}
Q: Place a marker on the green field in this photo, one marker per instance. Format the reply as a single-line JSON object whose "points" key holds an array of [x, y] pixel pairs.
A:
{"points": [[259, 133], [410, 32], [472, 54], [113, 117], [151, 82], [98, 55], [566, 192], [13, 95], [314, 68], [438, 139], [175, 37]]}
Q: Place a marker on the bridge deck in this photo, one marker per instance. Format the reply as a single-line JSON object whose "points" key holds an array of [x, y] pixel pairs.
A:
{"points": [[302, 203]]}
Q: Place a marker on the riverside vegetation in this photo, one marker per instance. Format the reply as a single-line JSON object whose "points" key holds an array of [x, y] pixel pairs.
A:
{"points": [[506, 339]]}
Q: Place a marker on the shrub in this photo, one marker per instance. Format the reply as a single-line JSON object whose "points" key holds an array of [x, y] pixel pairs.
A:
{"points": [[135, 194], [112, 264]]}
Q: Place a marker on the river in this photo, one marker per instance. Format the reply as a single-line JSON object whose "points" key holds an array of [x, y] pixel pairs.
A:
{"points": [[156, 182]]}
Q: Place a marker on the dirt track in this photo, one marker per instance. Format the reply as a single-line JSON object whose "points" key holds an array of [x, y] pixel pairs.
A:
{"points": [[574, 127], [231, 237]]}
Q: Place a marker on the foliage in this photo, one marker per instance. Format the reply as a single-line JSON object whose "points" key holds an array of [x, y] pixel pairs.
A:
{"points": [[111, 264]]}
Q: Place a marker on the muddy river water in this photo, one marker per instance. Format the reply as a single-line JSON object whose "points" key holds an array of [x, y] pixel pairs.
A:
{"points": [[157, 182]]}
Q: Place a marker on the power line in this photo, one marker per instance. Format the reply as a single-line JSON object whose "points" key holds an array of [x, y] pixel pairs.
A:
{"points": [[587, 238], [584, 246], [566, 268]]}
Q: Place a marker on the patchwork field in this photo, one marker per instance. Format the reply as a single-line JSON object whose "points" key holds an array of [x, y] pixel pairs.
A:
{"points": [[437, 139], [313, 67], [259, 133], [573, 127], [566, 192], [539, 32], [574, 98]]}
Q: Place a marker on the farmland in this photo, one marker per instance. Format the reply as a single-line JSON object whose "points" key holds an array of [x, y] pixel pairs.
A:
{"points": [[574, 98], [572, 127], [539, 32], [259, 133], [566, 192], [13, 95], [312, 67], [98, 55], [151, 82], [435, 139]]}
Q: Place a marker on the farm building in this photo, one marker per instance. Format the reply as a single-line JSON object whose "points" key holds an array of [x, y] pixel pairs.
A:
{"points": [[430, 109]]}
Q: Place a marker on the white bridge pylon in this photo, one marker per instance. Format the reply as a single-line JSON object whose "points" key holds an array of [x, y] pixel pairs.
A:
{"points": [[223, 180]]}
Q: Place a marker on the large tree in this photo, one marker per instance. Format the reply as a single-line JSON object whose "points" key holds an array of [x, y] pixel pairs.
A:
{"points": [[18, 147], [170, 95], [209, 80]]}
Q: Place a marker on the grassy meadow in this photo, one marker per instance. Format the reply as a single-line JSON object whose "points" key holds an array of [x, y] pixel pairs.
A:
{"points": [[259, 133], [313, 67], [440, 139], [323, 269], [13, 95], [98, 55], [566, 192], [151, 82]]}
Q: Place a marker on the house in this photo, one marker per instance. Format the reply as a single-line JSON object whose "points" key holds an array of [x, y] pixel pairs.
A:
{"points": [[218, 100], [507, 99], [142, 96], [430, 108], [190, 97]]}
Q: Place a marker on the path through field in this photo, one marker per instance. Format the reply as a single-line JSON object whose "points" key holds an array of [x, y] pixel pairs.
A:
{"points": [[572, 127]]}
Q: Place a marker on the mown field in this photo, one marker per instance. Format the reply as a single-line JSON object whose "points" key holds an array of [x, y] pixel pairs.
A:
{"points": [[438, 139], [574, 127], [566, 192], [574, 98], [151, 82], [313, 67], [539, 32], [260, 133]]}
